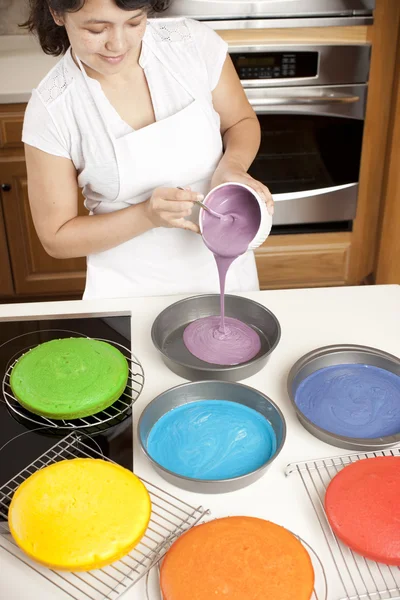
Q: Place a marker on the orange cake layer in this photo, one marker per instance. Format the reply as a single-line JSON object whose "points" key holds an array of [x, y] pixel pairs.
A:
{"points": [[237, 558]]}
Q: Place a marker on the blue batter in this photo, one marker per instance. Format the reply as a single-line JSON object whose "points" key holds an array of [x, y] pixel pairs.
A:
{"points": [[352, 400], [212, 439]]}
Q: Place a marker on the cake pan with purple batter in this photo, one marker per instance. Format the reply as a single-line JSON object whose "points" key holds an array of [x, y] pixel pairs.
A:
{"points": [[168, 327], [348, 396]]}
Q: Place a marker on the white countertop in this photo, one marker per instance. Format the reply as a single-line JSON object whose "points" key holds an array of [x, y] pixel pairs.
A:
{"points": [[309, 318], [23, 64]]}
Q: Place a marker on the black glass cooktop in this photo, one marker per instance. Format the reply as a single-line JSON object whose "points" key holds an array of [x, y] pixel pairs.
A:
{"points": [[22, 441]]}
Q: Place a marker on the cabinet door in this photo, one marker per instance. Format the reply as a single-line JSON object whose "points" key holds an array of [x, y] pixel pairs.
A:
{"points": [[6, 282], [11, 122], [387, 269], [311, 260], [34, 271]]}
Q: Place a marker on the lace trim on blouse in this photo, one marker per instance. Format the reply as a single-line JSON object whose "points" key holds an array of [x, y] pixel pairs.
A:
{"points": [[55, 84]]}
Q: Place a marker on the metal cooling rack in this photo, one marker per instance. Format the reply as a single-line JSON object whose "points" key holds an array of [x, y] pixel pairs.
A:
{"points": [[170, 518], [361, 579], [112, 413], [320, 589]]}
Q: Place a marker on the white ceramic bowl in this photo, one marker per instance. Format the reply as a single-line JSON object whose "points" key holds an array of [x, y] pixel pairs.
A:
{"points": [[265, 218]]}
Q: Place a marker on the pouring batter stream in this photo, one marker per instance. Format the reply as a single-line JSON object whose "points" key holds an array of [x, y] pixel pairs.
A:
{"points": [[225, 340]]}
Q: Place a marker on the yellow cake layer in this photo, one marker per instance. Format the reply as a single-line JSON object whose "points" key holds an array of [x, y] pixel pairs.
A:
{"points": [[79, 514]]}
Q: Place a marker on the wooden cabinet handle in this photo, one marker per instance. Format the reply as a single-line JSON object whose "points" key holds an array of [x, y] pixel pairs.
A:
{"points": [[6, 187]]}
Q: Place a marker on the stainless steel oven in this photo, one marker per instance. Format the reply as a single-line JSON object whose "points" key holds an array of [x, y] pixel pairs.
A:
{"points": [[310, 101], [224, 14]]}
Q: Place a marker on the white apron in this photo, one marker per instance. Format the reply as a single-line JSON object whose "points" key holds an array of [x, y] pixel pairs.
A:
{"points": [[181, 150]]}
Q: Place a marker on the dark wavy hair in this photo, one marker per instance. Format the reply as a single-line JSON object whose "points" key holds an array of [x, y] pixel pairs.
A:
{"points": [[53, 38]]}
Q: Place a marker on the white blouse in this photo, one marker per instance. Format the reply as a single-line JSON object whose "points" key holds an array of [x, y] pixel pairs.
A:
{"points": [[62, 119]]}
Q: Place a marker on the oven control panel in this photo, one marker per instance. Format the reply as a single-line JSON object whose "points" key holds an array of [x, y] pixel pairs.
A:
{"points": [[275, 65]]}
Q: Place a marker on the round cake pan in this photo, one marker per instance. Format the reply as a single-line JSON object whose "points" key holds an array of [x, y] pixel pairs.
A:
{"points": [[168, 328], [329, 356], [211, 390]]}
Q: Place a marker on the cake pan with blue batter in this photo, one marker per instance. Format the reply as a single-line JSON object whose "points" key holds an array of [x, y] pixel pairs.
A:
{"points": [[348, 396], [211, 436]]}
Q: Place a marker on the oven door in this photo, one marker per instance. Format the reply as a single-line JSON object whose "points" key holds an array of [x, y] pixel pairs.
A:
{"points": [[258, 9], [310, 150]]}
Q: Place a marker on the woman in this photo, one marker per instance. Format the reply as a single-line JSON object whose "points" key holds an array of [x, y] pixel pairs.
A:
{"points": [[135, 109]]}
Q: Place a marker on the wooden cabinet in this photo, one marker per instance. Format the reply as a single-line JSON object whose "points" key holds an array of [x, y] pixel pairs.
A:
{"points": [[6, 282], [291, 261], [384, 36], [34, 271], [388, 259], [31, 271], [11, 121]]}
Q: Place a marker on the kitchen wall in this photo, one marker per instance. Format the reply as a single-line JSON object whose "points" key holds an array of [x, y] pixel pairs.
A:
{"points": [[12, 12]]}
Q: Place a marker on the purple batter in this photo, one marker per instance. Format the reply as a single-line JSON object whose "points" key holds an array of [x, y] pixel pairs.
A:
{"points": [[224, 340]]}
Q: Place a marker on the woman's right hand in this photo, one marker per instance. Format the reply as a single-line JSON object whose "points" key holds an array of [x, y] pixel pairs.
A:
{"points": [[168, 207]]}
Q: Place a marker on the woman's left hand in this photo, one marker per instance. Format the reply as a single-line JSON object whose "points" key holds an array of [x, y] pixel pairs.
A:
{"points": [[235, 174]]}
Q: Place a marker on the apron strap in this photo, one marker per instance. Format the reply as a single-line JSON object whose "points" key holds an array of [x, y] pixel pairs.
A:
{"points": [[88, 87]]}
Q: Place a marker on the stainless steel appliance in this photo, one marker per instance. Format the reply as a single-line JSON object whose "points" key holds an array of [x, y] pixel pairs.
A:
{"points": [[228, 14], [310, 101]]}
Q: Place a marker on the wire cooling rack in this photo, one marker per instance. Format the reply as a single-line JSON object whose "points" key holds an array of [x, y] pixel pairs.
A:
{"points": [[361, 579], [97, 421], [153, 592], [170, 517]]}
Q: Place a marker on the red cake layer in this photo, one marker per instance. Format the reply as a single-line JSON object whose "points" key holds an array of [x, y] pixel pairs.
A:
{"points": [[363, 507]]}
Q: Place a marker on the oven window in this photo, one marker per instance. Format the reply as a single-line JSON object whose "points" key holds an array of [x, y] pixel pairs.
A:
{"points": [[301, 153]]}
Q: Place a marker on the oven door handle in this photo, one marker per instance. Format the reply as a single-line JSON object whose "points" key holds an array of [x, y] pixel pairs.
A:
{"points": [[297, 100], [289, 196]]}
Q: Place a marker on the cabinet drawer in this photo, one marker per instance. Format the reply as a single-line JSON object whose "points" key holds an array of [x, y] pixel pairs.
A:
{"points": [[290, 261], [11, 122]]}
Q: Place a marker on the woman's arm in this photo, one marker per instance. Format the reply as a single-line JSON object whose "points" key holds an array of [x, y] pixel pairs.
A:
{"points": [[240, 131], [53, 198]]}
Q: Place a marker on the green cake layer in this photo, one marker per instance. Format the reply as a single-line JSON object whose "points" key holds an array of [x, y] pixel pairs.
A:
{"points": [[69, 378]]}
